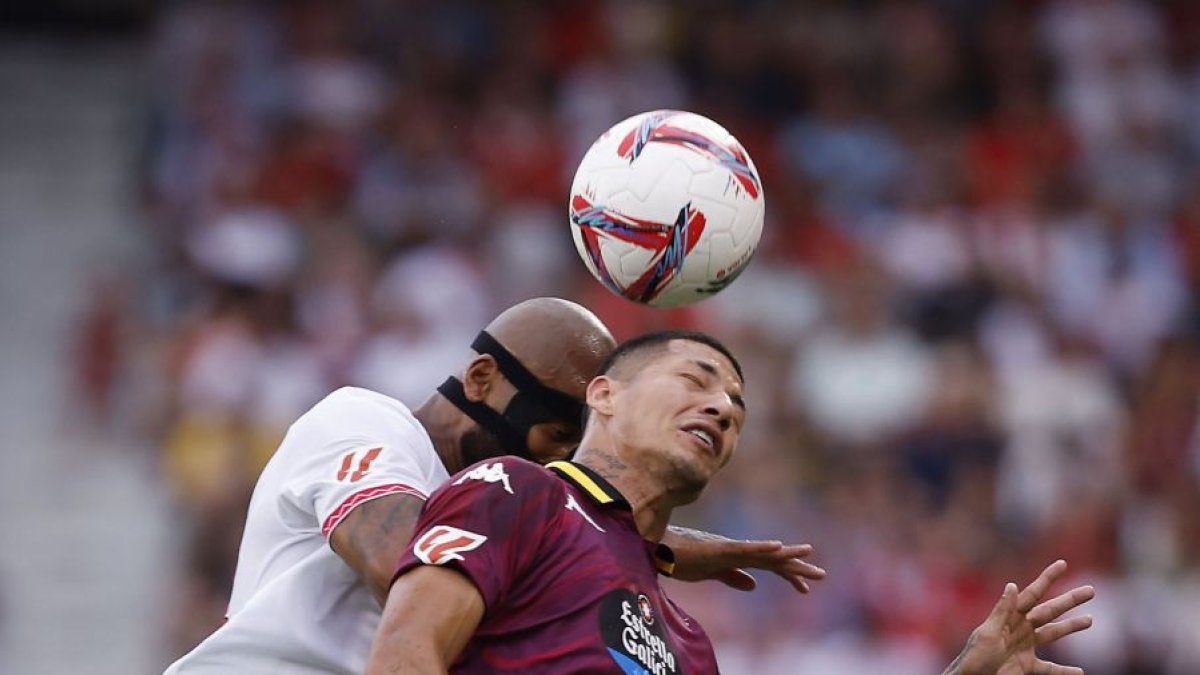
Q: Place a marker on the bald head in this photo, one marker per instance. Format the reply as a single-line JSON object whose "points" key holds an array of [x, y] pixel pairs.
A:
{"points": [[562, 343]]}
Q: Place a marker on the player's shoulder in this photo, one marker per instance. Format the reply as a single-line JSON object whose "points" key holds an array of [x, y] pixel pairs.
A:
{"points": [[359, 422], [513, 475], [515, 468], [358, 396], [358, 405]]}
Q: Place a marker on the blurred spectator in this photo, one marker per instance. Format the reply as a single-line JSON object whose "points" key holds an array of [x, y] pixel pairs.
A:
{"points": [[97, 354], [252, 245], [332, 84], [1186, 235], [1164, 424], [957, 440], [527, 254], [243, 376], [1103, 265], [1112, 69], [776, 299], [861, 377], [1064, 423], [417, 342], [415, 184], [855, 160], [620, 71]]}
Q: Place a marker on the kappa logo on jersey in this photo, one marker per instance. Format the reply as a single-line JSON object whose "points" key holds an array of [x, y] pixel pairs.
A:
{"points": [[441, 544], [488, 473], [573, 505]]}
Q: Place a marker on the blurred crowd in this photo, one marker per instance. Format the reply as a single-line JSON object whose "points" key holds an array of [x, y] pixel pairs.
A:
{"points": [[970, 332]]}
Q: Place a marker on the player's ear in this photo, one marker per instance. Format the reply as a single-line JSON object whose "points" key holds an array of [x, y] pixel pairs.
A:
{"points": [[480, 377], [600, 392]]}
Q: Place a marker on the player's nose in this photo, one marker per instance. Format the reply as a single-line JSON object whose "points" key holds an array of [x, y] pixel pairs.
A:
{"points": [[720, 408]]}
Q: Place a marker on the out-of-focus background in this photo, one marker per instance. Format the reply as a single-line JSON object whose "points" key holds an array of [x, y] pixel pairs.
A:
{"points": [[970, 334]]}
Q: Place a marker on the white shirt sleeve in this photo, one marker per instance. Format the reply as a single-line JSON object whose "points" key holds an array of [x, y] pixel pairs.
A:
{"points": [[353, 447]]}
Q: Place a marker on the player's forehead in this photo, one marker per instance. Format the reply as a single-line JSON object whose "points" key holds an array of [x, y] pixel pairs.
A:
{"points": [[690, 353]]}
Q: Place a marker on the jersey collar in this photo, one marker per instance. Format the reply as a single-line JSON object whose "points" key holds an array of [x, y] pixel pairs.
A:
{"points": [[602, 492]]}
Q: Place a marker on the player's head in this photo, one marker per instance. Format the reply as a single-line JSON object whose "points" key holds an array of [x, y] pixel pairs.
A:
{"points": [[524, 390], [669, 404]]}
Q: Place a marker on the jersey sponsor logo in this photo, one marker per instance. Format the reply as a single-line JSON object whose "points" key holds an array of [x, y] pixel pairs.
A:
{"points": [[573, 505], [441, 544], [635, 642], [488, 473], [364, 465], [646, 609]]}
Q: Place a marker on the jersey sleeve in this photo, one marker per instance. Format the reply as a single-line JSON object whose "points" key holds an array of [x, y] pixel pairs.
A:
{"points": [[488, 522], [337, 471]]}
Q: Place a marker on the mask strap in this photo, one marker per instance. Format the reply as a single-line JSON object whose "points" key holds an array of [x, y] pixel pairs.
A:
{"points": [[560, 405], [510, 438]]}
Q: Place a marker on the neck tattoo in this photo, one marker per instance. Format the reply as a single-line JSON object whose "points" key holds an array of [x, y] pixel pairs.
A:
{"points": [[609, 466]]}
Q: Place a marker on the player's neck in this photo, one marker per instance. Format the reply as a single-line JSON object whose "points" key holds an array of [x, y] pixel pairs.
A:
{"points": [[651, 502], [442, 422]]}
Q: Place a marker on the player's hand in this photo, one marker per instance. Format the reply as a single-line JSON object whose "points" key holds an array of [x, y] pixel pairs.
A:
{"points": [[1005, 643], [700, 556]]}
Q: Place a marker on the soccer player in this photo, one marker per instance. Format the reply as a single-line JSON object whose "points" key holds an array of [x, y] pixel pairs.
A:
{"points": [[519, 567], [335, 507]]}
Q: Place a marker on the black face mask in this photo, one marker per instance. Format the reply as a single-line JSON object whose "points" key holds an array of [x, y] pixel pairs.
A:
{"points": [[478, 444], [533, 404]]}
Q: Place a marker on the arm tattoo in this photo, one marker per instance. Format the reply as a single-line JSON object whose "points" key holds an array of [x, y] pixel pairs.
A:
{"points": [[374, 535], [382, 521]]}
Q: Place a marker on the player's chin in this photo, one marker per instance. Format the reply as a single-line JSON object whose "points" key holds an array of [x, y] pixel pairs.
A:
{"points": [[691, 472]]}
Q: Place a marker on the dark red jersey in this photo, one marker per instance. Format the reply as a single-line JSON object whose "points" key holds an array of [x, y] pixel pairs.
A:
{"points": [[569, 584]]}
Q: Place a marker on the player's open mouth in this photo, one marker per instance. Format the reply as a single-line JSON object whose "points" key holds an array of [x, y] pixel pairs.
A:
{"points": [[704, 435]]}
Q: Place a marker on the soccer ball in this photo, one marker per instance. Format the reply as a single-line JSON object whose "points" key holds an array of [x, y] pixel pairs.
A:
{"points": [[666, 208]]}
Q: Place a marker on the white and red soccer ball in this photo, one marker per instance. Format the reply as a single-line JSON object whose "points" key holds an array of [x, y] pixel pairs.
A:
{"points": [[666, 208]]}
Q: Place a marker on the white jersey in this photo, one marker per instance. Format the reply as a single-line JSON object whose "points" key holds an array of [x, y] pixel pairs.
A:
{"points": [[297, 608]]}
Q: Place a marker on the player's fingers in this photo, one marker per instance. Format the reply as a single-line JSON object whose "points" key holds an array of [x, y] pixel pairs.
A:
{"points": [[1060, 629], [1052, 609], [810, 571], [737, 579], [796, 581], [748, 547], [1047, 668], [1033, 593], [799, 568], [795, 551], [1004, 606], [760, 556]]}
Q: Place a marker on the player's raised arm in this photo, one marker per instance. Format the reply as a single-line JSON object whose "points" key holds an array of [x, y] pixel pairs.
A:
{"points": [[373, 536], [430, 614], [701, 556], [1006, 642]]}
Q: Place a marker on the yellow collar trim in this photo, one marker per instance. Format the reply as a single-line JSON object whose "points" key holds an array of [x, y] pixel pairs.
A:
{"points": [[603, 493], [583, 480], [664, 560]]}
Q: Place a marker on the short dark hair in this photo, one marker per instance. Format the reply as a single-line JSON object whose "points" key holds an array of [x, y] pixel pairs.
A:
{"points": [[659, 340]]}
